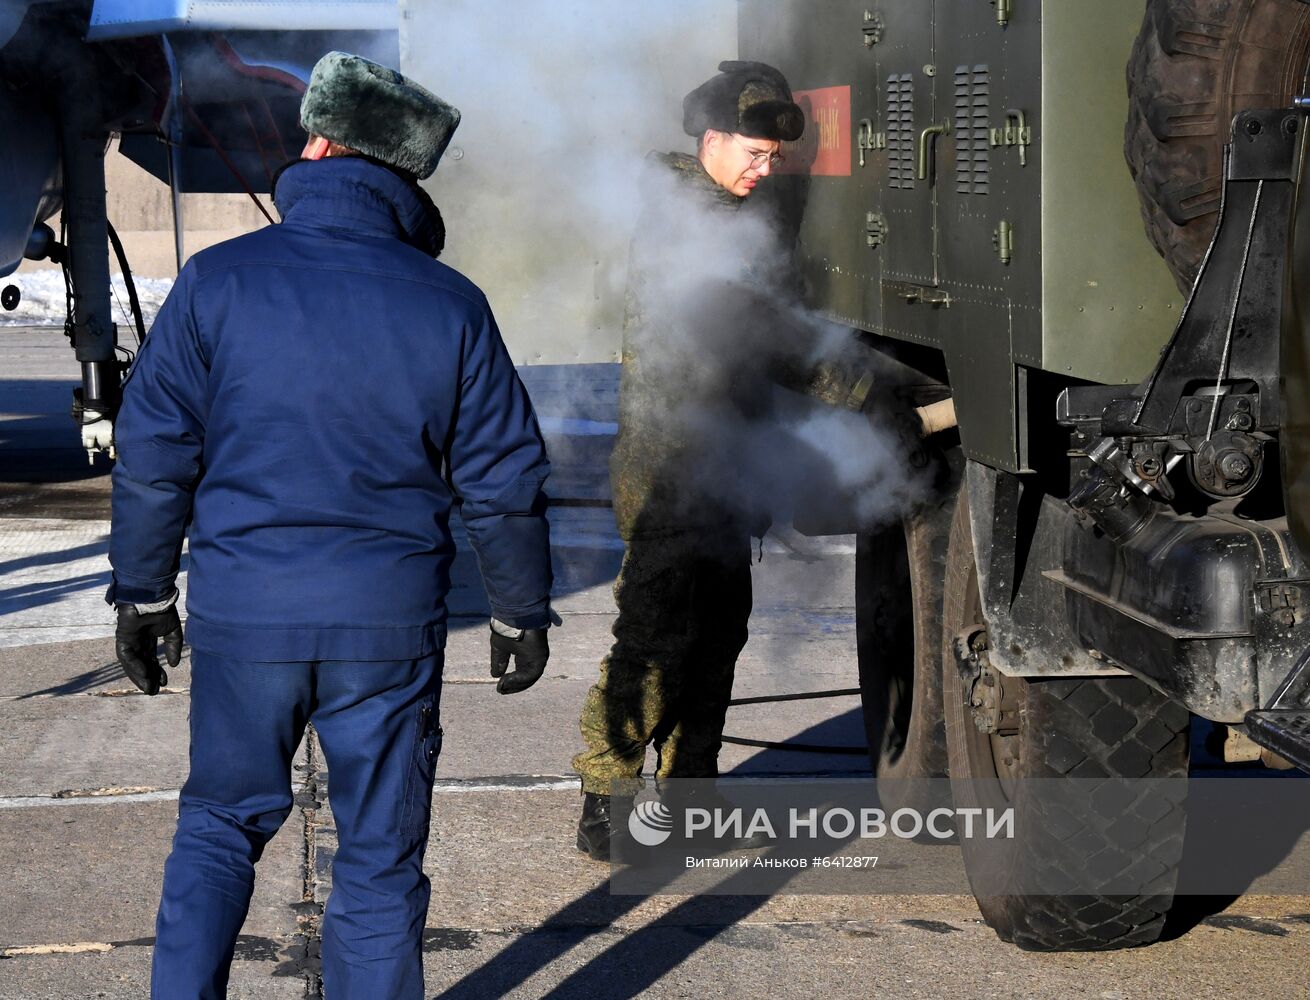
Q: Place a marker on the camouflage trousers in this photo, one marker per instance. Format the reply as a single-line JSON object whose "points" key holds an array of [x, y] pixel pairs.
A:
{"points": [[684, 603]]}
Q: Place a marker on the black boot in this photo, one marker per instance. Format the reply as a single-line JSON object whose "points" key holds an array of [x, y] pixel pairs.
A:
{"points": [[594, 828]]}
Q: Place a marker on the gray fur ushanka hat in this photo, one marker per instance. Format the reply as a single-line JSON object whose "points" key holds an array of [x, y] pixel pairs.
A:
{"points": [[750, 98], [376, 111]]}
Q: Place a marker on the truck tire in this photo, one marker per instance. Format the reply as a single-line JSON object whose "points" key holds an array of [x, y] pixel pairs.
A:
{"points": [[898, 606], [1067, 728], [1196, 64]]}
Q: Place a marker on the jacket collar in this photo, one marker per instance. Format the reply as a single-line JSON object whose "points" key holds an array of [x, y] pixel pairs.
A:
{"points": [[691, 172], [353, 193]]}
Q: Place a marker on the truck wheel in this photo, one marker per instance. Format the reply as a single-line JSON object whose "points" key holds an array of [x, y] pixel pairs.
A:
{"points": [[898, 607], [1195, 65], [1065, 728]]}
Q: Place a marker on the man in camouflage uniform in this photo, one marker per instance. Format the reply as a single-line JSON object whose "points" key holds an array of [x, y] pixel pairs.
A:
{"points": [[704, 342], [704, 339]]}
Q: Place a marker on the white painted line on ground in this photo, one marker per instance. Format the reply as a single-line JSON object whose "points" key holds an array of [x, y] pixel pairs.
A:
{"points": [[460, 787], [75, 948], [108, 797], [94, 693], [111, 790], [566, 782], [450, 786], [35, 801]]}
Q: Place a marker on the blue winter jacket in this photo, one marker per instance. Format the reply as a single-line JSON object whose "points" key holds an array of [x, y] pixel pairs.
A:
{"points": [[313, 398]]}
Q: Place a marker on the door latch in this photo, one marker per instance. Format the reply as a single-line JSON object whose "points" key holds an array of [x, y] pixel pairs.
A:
{"points": [[913, 294], [867, 140], [1017, 132], [1004, 8]]}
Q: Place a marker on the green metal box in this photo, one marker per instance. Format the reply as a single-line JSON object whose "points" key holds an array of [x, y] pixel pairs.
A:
{"points": [[961, 184]]}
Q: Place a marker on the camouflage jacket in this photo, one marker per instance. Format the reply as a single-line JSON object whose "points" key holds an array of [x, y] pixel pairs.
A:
{"points": [[709, 335]]}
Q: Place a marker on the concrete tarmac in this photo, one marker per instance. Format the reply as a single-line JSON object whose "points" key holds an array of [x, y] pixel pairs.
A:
{"points": [[90, 769]]}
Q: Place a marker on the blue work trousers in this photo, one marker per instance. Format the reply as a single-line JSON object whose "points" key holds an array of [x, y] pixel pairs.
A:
{"points": [[377, 723]]}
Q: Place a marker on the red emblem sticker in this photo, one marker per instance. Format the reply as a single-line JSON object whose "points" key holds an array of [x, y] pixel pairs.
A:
{"points": [[824, 150]]}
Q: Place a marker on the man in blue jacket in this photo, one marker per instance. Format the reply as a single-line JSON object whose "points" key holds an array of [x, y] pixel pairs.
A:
{"points": [[312, 400]]}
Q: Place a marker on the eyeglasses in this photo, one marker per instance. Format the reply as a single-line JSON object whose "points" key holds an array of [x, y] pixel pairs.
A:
{"points": [[758, 159]]}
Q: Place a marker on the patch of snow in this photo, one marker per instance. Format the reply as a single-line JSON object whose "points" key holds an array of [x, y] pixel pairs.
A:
{"points": [[43, 302]]}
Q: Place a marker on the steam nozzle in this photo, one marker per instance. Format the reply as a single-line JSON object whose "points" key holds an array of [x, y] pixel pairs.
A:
{"points": [[939, 416]]}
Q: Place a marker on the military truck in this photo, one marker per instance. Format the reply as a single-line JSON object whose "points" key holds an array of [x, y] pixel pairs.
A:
{"points": [[1118, 548]]}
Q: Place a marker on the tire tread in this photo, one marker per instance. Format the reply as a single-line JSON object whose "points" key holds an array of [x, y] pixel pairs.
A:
{"points": [[1105, 728], [1195, 64]]}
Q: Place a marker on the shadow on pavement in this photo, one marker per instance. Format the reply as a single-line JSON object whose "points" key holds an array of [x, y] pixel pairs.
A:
{"points": [[627, 968], [83, 682], [27, 596], [641, 956], [38, 593], [54, 558], [840, 732]]}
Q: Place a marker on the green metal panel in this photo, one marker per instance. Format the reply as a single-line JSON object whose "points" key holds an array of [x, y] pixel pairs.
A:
{"points": [[978, 185], [908, 104], [1082, 294], [994, 323], [986, 384], [821, 50], [1108, 302]]}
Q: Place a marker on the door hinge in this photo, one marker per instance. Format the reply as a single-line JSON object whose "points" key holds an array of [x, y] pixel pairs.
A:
{"points": [[875, 229], [873, 28], [1004, 8], [1003, 241]]}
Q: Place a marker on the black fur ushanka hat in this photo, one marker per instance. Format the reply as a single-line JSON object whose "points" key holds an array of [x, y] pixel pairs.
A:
{"points": [[376, 111], [749, 98]]}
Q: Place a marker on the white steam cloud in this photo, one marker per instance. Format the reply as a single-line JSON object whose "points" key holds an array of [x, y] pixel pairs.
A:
{"points": [[718, 326], [547, 183]]}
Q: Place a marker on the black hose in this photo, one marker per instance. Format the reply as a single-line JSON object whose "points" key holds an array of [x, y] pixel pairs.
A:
{"points": [[797, 747], [68, 281], [133, 302], [803, 696], [794, 747]]}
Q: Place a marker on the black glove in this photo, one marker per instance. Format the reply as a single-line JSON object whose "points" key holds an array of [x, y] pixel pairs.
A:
{"points": [[134, 643], [530, 649]]}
